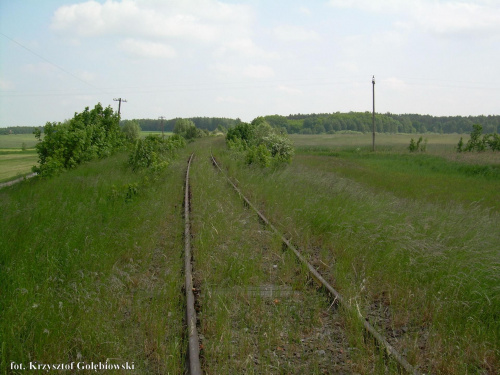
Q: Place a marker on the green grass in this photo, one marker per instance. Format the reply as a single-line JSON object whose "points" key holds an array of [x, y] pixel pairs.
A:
{"points": [[15, 141], [245, 330], [91, 261], [424, 266], [90, 268], [16, 164], [399, 142], [145, 133]]}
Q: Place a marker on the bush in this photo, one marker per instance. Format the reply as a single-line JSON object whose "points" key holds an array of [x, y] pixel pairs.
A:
{"points": [[262, 144], [155, 152], [475, 143], [188, 130], [418, 146], [131, 130], [88, 135]]}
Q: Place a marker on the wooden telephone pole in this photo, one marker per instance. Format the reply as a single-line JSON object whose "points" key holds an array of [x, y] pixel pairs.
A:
{"points": [[119, 100], [162, 126], [373, 114]]}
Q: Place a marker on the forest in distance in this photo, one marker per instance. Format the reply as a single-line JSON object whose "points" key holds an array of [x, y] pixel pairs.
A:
{"points": [[328, 123]]}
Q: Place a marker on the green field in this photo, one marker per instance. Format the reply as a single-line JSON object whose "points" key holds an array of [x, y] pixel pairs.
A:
{"points": [[14, 142], [14, 162], [145, 133], [93, 257]]}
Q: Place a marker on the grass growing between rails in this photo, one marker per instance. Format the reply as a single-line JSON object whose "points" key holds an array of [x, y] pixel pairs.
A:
{"points": [[90, 268], [425, 272], [258, 312]]}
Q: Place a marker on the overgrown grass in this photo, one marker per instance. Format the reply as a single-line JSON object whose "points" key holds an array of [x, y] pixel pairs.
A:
{"points": [[90, 268], [424, 270], [432, 178], [258, 312]]}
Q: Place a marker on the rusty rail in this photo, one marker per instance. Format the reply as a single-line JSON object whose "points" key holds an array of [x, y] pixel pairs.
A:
{"points": [[335, 295], [193, 339]]}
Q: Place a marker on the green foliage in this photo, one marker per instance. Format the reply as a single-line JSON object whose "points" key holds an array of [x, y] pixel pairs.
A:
{"points": [[493, 141], [155, 152], [263, 144], [476, 143], [88, 135], [418, 146], [132, 130], [187, 129]]}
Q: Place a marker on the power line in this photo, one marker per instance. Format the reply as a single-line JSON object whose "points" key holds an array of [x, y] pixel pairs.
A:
{"points": [[51, 63]]}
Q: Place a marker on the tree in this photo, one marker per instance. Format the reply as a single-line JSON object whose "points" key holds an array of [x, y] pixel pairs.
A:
{"points": [[187, 129], [132, 130], [88, 135]]}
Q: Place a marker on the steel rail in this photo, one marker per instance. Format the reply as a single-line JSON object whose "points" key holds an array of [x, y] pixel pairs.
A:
{"points": [[336, 296], [193, 339]]}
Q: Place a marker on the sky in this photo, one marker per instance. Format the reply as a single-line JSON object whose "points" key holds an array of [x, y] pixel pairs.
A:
{"points": [[247, 58]]}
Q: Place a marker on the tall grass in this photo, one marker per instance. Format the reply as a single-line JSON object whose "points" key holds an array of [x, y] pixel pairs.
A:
{"points": [[426, 272], [258, 312], [91, 268]]}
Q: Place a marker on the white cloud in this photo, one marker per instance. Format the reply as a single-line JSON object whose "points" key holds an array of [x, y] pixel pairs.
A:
{"points": [[394, 83], [371, 5], [147, 49], [454, 17], [290, 33], [5, 85], [304, 10], [229, 99], [289, 90], [87, 76], [244, 47], [258, 71], [201, 20], [457, 18], [237, 71]]}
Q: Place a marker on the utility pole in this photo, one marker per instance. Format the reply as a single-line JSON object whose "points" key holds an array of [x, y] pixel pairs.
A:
{"points": [[119, 100], [373, 114], [162, 127]]}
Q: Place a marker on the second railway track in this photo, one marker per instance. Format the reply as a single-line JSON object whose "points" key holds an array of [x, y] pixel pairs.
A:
{"points": [[258, 312]]}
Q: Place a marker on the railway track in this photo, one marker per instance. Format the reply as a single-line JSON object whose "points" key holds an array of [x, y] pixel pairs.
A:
{"points": [[194, 344]]}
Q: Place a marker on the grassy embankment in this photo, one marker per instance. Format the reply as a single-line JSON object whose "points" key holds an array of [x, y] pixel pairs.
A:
{"points": [[90, 268], [14, 162], [421, 262]]}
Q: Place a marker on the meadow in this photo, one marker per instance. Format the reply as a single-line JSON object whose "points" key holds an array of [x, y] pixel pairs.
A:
{"points": [[91, 260], [14, 161], [410, 239]]}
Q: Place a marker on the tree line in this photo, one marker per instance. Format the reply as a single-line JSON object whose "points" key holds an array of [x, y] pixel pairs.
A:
{"points": [[206, 123], [325, 123], [384, 123]]}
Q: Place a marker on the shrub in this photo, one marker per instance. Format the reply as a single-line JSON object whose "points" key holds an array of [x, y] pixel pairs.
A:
{"points": [[418, 146], [475, 143], [155, 152], [262, 143], [131, 130], [88, 135]]}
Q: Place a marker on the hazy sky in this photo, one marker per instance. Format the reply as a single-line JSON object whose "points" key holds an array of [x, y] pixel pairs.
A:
{"points": [[243, 58]]}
